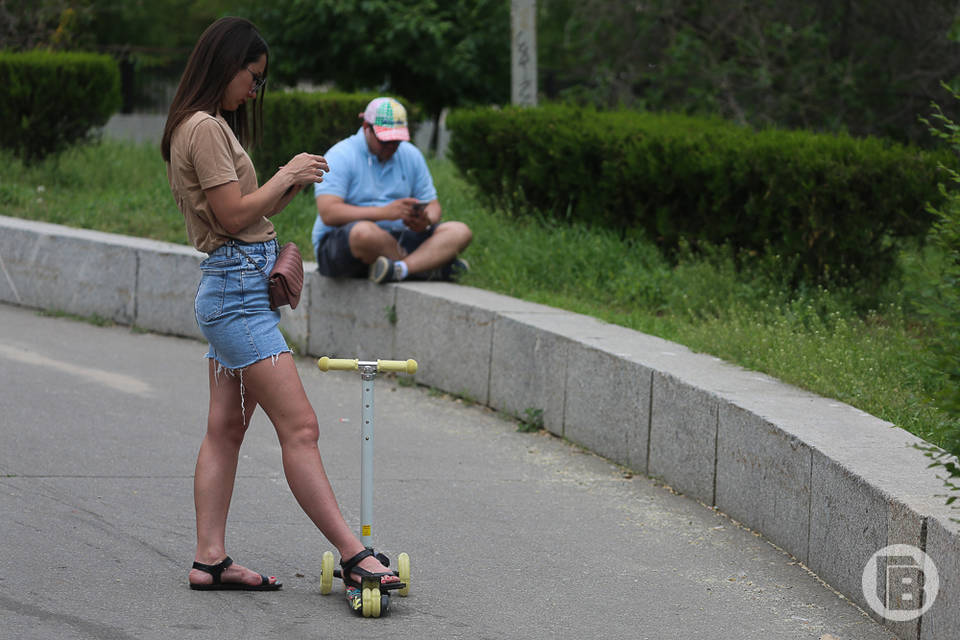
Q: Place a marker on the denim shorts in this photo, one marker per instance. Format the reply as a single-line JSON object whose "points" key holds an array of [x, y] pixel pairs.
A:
{"points": [[335, 260], [233, 307]]}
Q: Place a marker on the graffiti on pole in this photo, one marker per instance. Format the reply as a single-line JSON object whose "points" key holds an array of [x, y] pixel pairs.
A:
{"points": [[523, 57]]}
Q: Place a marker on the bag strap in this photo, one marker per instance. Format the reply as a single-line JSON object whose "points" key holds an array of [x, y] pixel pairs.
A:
{"points": [[233, 244]]}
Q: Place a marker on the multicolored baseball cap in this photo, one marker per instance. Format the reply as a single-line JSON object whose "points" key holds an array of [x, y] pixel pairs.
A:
{"points": [[389, 119]]}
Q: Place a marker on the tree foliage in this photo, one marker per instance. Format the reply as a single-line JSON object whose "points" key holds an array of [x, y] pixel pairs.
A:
{"points": [[105, 24], [29, 24], [941, 303], [861, 66], [150, 39], [440, 53], [864, 66]]}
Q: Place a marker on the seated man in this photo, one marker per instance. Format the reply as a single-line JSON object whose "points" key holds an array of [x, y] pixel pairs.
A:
{"points": [[377, 209]]}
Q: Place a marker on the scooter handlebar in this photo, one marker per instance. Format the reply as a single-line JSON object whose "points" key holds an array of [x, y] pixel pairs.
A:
{"points": [[337, 364], [400, 366], [346, 364]]}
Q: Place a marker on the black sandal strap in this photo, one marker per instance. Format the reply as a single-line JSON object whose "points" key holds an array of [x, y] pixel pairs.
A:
{"points": [[215, 570], [347, 566]]}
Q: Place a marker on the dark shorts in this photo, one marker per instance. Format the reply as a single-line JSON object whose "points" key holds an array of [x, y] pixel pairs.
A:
{"points": [[335, 260]]}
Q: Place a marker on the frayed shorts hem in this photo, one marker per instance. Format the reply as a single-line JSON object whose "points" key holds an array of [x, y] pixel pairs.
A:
{"points": [[222, 366]]}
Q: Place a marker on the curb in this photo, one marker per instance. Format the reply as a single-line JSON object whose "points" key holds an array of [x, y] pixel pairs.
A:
{"points": [[824, 481]]}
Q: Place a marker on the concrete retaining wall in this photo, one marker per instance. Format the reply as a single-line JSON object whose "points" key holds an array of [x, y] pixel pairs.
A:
{"points": [[830, 484]]}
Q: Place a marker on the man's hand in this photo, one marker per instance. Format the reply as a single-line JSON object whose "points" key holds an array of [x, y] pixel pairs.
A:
{"points": [[400, 209], [417, 220]]}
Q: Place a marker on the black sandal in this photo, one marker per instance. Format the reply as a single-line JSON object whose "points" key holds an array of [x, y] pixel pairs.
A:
{"points": [[348, 567], [216, 570]]}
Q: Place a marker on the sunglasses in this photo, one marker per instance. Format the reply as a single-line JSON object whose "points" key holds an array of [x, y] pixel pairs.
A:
{"points": [[258, 80]]}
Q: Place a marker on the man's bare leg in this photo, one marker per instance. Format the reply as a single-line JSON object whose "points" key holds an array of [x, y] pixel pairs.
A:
{"points": [[447, 241]]}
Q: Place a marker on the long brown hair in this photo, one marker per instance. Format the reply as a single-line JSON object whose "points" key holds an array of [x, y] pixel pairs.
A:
{"points": [[227, 46]]}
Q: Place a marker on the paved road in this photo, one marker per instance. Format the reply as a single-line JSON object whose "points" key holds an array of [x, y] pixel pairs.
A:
{"points": [[510, 535]]}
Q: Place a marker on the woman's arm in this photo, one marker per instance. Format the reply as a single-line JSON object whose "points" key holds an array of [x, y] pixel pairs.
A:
{"points": [[287, 197], [235, 211]]}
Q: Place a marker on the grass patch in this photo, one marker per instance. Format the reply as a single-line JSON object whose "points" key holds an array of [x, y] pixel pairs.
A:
{"points": [[878, 360], [95, 319]]}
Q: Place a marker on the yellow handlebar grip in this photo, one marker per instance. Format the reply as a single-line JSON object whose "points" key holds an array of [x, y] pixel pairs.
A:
{"points": [[337, 364], [400, 366]]}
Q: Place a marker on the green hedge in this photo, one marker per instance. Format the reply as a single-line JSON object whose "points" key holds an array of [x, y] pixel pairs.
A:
{"points": [[831, 203], [50, 100], [300, 121]]}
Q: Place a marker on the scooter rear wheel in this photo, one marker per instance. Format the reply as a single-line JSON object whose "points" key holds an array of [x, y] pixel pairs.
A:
{"points": [[403, 571], [326, 573]]}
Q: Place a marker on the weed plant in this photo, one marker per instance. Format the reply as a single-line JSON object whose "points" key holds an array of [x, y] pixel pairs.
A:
{"points": [[868, 349]]}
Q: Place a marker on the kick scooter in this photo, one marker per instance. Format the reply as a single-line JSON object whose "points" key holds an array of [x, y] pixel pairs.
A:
{"points": [[366, 598]]}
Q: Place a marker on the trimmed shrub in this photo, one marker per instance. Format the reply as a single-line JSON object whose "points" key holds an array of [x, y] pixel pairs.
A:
{"points": [[300, 121], [833, 204], [51, 100]]}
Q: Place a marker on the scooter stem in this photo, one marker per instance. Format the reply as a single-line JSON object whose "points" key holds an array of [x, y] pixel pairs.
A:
{"points": [[368, 371]]}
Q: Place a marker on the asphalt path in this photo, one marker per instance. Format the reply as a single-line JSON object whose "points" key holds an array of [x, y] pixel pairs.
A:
{"points": [[510, 534]]}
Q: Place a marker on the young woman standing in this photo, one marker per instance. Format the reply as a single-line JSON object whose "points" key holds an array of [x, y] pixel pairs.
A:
{"points": [[227, 216]]}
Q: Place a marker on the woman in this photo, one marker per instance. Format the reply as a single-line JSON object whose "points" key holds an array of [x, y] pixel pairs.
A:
{"points": [[227, 216]]}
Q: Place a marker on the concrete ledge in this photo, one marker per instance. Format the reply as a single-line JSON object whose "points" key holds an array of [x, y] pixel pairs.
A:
{"points": [[763, 477], [166, 287], [82, 272], [348, 319], [822, 480], [607, 405], [683, 436], [943, 545]]}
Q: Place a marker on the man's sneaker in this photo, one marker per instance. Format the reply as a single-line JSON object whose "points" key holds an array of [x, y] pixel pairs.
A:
{"points": [[457, 268], [383, 270], [448, 272]]}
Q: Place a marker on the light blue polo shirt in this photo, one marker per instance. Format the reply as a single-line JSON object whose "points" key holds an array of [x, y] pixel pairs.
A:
{"points": [[357, 176]]}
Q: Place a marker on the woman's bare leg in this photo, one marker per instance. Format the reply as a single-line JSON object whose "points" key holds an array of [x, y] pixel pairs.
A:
{"points": [[216, 471], [278, 389]]}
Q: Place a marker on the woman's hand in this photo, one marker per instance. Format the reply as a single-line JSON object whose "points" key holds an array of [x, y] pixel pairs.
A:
{"points": [[236, 211], [304, 169]]}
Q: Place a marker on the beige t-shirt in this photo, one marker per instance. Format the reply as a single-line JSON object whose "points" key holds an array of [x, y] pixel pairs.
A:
{"points": [[205, 153]]}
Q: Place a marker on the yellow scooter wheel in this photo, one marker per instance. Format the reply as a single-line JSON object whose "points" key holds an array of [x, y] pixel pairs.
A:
{"points": [[403, 570], [367, 600], [326, 573], [375, 602]]}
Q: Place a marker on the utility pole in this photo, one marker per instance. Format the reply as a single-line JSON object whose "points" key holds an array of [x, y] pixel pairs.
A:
{"points": [[523, 52]]}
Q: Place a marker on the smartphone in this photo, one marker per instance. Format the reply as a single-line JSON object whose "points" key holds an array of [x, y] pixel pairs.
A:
{"points": [[419, 207]]}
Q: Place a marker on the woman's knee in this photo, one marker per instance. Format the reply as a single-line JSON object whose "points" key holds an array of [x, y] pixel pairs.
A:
{"points": [[301, 431], [228, 430]]}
